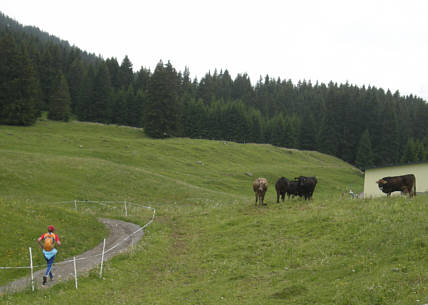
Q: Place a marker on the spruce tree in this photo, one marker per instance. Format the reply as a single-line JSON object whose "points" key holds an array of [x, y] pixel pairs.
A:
{"points": [[420, 125], [242, 89], [413, 151], [421, 151], [75, 79], [187, 88], [206, 88], [331, 129], [292, 131], [162, 109], [19, 88], [83, 108], [256, 126], [194, 119], [126, 76], [100, 108], [140, 99], [389, 142], [48, 74], [329, 136], [278, 130], [214, 122], [114, 72], [59, 107], [425, 143], [308, 132], [224, 88], [142, 79], [364, 157], [134, 107], [120, 107]]}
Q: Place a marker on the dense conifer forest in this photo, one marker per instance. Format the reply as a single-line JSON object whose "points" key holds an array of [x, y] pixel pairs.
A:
{"points": [[365, 126]]}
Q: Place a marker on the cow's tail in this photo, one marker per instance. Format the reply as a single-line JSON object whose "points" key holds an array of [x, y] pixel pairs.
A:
{"points": [[414, 189]]}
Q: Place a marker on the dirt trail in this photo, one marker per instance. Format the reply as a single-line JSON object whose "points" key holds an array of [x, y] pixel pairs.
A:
{"points": [[119, 231]]}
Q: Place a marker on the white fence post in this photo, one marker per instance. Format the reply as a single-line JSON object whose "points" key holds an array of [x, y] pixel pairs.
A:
{"points": [[75, 205], [31, 267], [126, 210], [102, 258], [75, 270]]}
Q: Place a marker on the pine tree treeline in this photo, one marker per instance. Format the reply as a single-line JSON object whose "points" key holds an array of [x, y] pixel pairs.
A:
{"points": [[363, 126]]}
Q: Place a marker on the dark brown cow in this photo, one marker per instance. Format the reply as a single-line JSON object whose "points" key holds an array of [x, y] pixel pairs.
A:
{"points": [[292, 189], [306, 186], [281, 187], [404, 184], [260, 187]]}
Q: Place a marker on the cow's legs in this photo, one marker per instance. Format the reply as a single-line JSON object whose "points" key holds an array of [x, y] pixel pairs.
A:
{"points": [[411, 192]]}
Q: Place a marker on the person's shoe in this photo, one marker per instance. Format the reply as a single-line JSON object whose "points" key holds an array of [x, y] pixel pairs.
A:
{"points": [[51, 276], [45, 279]]}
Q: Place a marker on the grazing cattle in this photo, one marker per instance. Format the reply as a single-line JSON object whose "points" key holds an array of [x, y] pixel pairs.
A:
{"points": [[403, 184], [260, 187], [306, 186], [293, 189], [281, 187]]}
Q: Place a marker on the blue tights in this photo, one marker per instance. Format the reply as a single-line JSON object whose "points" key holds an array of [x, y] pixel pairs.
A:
{"points": [[50, 263]]}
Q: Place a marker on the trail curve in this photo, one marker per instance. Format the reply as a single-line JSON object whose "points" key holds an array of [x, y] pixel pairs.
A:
{"points": [[121, 237]]}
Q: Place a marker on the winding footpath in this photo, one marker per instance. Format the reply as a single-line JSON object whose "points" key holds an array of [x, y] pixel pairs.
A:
{"points": [[121, 237]]}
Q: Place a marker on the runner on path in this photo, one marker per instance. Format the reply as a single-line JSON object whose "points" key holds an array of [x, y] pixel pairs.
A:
{"points": [[50, 240]]}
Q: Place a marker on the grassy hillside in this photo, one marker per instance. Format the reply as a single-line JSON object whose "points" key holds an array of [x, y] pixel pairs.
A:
{"points": [[23, 221], [209, 244]]}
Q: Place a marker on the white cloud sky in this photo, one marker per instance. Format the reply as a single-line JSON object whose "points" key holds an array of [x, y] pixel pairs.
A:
{"points": [[378, 43]]}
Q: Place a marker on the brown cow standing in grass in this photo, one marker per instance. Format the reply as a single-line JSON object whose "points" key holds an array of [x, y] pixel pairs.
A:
{"points": [[260, 187], [404, 184]]}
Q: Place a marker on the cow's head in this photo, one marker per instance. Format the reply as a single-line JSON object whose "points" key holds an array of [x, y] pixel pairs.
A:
{"points": [[262, 185], [381, 183], [300, 180]]}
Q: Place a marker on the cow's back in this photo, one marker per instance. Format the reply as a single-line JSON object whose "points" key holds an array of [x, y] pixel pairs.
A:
{"points": [[281, 184], [409, 180]]}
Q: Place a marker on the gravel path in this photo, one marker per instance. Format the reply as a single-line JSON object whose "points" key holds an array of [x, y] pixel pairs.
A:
{"points": [[119, 231]]}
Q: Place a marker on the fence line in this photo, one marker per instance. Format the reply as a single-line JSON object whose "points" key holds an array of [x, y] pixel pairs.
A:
{"points": [[75, 202]]}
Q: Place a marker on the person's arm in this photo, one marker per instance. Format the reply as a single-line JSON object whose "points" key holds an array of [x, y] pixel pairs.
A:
{"points": [[39, 240], [58, 242]]}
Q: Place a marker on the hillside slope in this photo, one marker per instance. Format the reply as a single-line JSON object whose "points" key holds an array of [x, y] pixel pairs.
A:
{"points": [[209, 244], [88, 150]]}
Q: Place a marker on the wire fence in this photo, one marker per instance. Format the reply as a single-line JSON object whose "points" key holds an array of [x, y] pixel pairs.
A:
{"points": [[104, 253]]}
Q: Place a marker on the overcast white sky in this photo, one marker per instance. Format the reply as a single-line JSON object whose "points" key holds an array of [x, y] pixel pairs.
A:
{"points": [[364, 42]]}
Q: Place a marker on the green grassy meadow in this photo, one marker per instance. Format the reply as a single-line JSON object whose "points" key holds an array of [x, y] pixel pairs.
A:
{"points": [[208, 244]]}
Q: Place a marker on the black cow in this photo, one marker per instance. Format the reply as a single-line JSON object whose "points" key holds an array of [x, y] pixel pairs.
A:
{"points": [[403, 184], [281, 187], [293, 189], [306, 186]]}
